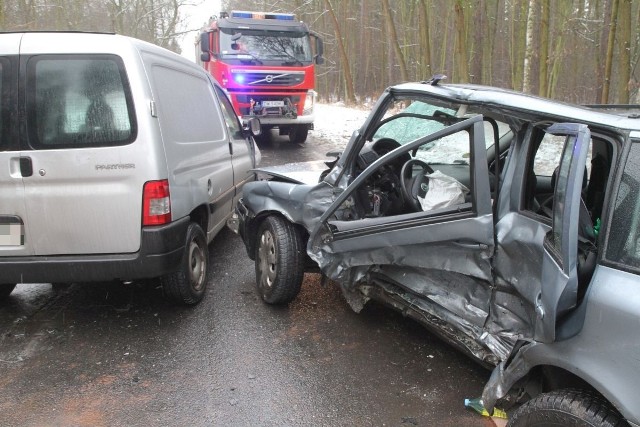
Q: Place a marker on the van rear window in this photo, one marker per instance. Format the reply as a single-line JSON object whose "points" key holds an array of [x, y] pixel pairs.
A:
{"points": [[78, 101]]}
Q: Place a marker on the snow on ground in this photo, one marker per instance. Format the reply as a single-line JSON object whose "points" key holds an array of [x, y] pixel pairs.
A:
{"points": [[334, 123]]}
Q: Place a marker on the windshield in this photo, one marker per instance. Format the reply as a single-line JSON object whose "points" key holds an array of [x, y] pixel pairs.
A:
{"points": [[285, 48], [409, 119]]}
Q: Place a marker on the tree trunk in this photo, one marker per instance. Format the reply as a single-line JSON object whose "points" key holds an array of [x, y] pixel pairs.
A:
{"points": [[624, 46], [609, 58], [527, 76], [543, 70], [348, 80], [393, 39], [462, 69], [425, 41]]}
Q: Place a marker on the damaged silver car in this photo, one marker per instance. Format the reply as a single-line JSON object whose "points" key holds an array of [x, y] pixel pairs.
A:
{"points": [[505, 223]]}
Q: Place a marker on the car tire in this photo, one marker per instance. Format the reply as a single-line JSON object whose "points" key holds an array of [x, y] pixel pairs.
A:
{"points": [[188, 284], [280, 261], [298, 134], [6, 289], [567, 407]]}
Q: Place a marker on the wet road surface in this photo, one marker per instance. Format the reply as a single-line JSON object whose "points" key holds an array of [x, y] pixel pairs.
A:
{"points": [[120, 355]]}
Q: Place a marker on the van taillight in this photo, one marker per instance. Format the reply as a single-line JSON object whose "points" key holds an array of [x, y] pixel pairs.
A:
{"points": [[156, 204]]}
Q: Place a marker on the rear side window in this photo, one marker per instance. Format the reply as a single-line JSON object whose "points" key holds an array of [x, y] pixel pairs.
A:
{"points": [[7, 76], [4, 142], [76, 101], [623, 245]]}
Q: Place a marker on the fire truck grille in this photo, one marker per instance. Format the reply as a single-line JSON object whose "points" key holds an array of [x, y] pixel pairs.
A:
{"points": [[274, 78]]}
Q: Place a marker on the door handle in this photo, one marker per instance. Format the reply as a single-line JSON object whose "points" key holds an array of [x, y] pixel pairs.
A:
{"points": [[26, 167]]}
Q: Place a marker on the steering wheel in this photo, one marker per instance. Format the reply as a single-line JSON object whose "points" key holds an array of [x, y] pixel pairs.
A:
{"points": [[414, 186]]}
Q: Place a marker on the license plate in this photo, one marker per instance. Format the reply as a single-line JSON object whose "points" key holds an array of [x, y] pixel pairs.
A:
{"points": [[273, 103], [11, 232]]}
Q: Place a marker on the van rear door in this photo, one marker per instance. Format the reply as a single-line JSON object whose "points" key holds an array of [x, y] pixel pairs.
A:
{"points": [[13, 163], [84, 195]]}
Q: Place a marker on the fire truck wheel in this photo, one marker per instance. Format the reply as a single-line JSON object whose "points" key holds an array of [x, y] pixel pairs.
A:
{"points": [[298, 134]]}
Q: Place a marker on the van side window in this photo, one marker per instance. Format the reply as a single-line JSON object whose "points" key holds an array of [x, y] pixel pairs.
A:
{"points": [[78, 101], [184, 99], [229, 115]]}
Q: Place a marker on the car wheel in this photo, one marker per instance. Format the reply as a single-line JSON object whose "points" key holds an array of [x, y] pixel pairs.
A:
{"points": [[298, 134], [188, 284], [279, 261], [6, 289], [566, 407]]}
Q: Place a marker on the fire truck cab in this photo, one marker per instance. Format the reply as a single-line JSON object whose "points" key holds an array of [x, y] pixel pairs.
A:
{"points": [[266, 63]]}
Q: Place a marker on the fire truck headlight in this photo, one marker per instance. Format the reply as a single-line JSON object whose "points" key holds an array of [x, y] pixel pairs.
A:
{"points": [[239, 78], [309, 101]]}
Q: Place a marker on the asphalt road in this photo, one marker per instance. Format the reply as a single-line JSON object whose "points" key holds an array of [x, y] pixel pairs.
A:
{"points": [[120, 355]]}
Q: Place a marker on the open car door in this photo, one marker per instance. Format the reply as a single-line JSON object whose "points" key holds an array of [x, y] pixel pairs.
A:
{"points": [[437, 260], [559, 284]]}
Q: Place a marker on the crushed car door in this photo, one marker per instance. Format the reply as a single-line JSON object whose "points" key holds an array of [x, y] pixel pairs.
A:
{"points": [[438, 260], [560, 264]]}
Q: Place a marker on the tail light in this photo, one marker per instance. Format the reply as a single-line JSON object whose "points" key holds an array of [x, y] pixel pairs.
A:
{"points": [[156, 204]]}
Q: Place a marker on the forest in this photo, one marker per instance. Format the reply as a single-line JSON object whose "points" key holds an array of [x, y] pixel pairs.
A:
{"points": [[579, 51]]}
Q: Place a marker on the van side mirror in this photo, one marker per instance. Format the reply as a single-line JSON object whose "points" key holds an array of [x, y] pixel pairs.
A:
{"points": [[253, 126]]}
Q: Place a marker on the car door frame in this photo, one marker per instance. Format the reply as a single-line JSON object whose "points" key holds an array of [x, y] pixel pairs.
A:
{"points": [[559, 281], [16, 162]]}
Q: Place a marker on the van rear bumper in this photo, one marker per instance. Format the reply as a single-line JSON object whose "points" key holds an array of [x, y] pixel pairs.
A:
{"points": [[161, 251]]}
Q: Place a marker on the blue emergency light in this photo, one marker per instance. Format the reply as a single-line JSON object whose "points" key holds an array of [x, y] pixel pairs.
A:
{"points": [[262, 15]]}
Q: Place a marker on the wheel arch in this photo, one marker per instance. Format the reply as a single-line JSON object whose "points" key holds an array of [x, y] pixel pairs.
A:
{"points": [[200, 216], [252, 226], [544, 378]]}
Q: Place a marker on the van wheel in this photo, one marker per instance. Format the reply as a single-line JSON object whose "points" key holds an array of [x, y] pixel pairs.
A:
{"points": [[566, 407], [187, 285], [6, 289], [279, 261], [298, 133]]}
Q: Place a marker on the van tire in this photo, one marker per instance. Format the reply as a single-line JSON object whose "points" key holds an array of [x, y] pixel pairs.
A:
{"points": [[567, 407], [188, 284], [279, 261], [6, 289], [298, 134]]}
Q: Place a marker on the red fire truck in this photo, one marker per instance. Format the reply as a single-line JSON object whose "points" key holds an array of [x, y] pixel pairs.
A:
{"points": [[266, 62]]}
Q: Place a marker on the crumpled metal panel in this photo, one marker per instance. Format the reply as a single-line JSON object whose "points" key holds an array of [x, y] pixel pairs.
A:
{"points": [[519, 238], [297, 173], [504, 376], [452, 283]]}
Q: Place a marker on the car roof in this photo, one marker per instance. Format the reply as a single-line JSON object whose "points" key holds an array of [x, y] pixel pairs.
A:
{"points": [[530, 106]]}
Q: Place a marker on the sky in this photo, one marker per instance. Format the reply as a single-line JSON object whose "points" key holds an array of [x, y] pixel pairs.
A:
{"points": [[195, 16]]}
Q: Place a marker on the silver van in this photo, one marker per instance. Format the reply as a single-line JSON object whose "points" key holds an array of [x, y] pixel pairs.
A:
{"points": [[119, 160]]}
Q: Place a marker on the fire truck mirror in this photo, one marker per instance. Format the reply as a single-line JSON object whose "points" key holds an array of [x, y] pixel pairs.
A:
{"points": [[319, 50], [205, 57], [204, 43]]}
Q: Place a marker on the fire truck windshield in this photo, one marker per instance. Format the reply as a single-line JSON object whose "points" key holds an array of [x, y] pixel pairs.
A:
{"points": [[282, 48]]}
